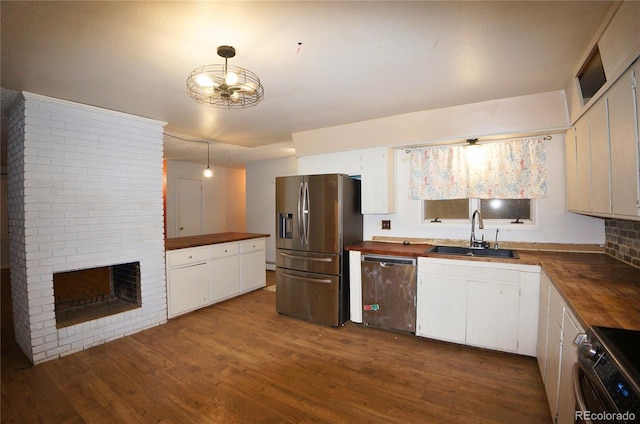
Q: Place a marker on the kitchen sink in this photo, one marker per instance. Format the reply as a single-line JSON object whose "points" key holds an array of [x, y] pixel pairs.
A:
{"points": [[479, 252]]}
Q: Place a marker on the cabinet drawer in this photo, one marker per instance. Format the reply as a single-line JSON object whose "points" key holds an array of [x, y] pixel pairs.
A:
{"points": [[187, 256], [251, 245], [224, 249]]}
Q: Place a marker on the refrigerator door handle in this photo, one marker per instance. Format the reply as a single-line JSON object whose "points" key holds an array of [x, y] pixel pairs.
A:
{"points": [[313, 280], [306, 258], [307, 213], [300, 214]]}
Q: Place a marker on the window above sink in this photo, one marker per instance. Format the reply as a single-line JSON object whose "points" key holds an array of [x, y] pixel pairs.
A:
{"points": [[494, 211]]}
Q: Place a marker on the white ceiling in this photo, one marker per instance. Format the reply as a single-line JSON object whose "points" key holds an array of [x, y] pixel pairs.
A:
{"points": [[357, 61]]}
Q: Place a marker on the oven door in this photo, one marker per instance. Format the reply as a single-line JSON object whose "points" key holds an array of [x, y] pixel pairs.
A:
{"points": [[591, 401]]}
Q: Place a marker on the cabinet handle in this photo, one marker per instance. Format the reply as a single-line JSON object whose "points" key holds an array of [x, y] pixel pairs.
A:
{"points": [[190, 257]]}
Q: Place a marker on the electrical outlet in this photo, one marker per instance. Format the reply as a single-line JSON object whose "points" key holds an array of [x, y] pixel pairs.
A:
{"points": [[386, 224]]}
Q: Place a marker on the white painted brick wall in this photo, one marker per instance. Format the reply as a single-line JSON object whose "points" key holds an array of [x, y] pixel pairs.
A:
{"points": [[85, 190]]}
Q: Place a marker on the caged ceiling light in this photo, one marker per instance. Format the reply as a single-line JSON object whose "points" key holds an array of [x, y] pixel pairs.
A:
{"points": [[225, 86]]}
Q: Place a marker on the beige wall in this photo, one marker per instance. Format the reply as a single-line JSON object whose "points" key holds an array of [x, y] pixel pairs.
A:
{"points": [[223, 197]]}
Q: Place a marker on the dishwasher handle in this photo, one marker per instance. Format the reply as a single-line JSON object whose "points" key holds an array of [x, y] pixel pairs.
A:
{"points": [[388, 261]]}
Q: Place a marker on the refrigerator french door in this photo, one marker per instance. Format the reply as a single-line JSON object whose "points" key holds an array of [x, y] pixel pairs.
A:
{"points": [[316, 217]]}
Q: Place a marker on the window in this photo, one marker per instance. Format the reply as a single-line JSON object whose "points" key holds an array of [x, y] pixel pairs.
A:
{"points": [[510, 210]]}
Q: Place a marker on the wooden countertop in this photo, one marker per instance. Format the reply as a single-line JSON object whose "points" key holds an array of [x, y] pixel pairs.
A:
{"points": [[599, 289], [206, 239]]}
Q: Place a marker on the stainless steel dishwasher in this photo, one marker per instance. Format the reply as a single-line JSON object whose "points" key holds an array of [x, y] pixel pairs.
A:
{"points": [[389, 292]]}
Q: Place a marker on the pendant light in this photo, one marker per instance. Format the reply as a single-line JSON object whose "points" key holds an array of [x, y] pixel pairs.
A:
{"points": [[208, 173]]}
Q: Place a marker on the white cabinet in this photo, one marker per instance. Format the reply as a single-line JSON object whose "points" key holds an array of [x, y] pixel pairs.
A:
{"points": [[252, 265], [224, 272], [557, 356], [571, 166], [600, 157], [492, 305], [201, 276], [190, 267], [569, 356], [624, 115], [583, 161], [193, 293], [441, 310], [492, 314], [602, 154], [543, 325], [378, 181]]}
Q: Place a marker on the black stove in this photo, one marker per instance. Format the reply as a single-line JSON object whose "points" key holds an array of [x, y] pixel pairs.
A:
{"points": [[608, 375]]}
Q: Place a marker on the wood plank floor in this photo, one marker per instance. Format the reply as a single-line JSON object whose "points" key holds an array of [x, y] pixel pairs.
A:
{"points": [[241, 362]]}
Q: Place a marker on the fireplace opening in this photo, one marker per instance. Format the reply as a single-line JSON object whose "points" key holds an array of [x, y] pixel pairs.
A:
{"points": [[93, 293]]}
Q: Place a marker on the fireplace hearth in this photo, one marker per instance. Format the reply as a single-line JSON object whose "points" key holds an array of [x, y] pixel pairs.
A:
{"points": [[88, 294]]}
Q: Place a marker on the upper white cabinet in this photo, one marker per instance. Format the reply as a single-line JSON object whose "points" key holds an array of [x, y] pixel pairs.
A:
{"points": [[571, 166], [491, 305], [602, 154], [378, 181], [376, 168], [623, 124]]}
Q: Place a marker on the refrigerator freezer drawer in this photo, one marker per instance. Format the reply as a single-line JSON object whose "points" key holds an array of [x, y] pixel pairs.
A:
{"points": [[308, 296], [321, 263]]}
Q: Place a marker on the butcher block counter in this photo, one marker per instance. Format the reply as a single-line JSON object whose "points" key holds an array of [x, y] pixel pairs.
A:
{"points": [[207, 239], [600, 290]]}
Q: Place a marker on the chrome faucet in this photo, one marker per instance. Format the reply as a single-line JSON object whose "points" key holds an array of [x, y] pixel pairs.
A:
{"points": [[473, 242]]}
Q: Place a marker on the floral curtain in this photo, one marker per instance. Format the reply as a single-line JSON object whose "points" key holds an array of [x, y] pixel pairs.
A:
{"points": [[511, 169]]}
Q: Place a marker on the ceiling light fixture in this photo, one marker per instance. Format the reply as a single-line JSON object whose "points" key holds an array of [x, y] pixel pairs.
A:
{"points": [[208, 172], [225, 86]]}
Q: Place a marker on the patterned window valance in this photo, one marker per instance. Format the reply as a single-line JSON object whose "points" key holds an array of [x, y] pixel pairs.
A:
{"points": [[510, 169]]}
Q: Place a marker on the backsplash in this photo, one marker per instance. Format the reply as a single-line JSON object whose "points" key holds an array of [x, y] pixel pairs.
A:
{"points": [[623, 240]]}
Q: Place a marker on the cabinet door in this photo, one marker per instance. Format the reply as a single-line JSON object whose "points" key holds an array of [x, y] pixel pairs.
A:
{"points": [[624, 146], [188, 288], [441, 307], [378, 181], [543, 326], [571, 170], [566, 398], [224, 281], [554, 351], [600, 169], [252, 270], [492, 315], [583, 161]]}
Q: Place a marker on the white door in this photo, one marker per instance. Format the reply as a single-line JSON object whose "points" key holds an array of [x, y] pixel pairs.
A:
{"points": [[189, 195]]}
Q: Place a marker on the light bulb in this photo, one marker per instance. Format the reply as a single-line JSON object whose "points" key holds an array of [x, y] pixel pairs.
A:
{"points": [[231, 78], [208, 172], [204, 81]]}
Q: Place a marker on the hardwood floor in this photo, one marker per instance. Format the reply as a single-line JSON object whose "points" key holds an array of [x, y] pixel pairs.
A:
{"points": [[241, 362]]}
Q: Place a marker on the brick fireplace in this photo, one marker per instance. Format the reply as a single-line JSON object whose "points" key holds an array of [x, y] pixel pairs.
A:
{"points": [[85, 193]]}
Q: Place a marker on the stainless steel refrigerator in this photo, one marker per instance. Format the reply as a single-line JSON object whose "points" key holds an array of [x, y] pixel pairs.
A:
{"points": [[316, 217]]}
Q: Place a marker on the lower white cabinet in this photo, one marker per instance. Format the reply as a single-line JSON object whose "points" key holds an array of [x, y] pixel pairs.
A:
{"points": [[557, 353], [492, 314], [203, 275], [491, 305], [252, 265], [224, 271], [193, 293]]}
